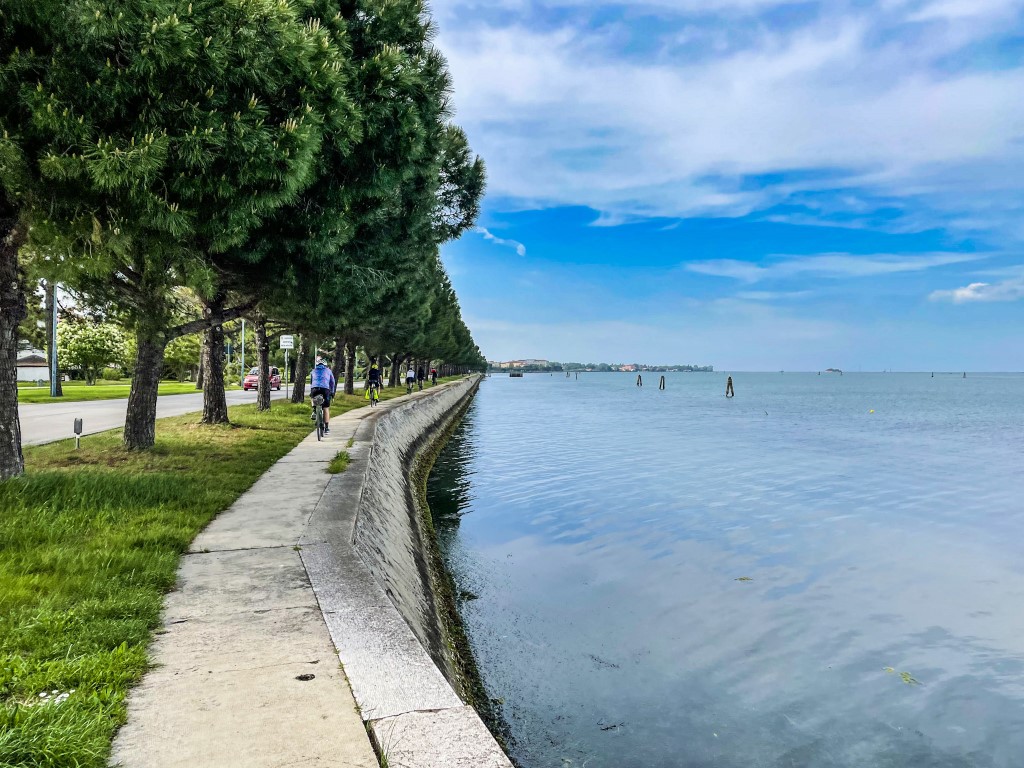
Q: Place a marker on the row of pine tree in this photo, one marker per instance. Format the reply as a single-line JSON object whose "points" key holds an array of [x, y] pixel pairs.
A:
{"points": [[178, 164]]}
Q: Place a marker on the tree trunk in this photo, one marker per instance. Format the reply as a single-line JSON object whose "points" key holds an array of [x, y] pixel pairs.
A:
{"points": [[12, 311], [396, 364], [215, 399], [263, 362], [51, 350], [301, 372], [338, 366], [140, 421], [350, 368], [202, 363]]}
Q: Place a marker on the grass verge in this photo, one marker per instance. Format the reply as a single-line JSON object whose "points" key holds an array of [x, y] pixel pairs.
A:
{"points": [[338, 464], [76, 392], [89, 543]]}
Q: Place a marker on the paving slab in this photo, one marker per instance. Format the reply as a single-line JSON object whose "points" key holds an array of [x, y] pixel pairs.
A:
{"points": [[245, 674], [272, 594], [450, 738]]}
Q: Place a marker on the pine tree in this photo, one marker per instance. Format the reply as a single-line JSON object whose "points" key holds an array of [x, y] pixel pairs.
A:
{"points": [[159, 135]]}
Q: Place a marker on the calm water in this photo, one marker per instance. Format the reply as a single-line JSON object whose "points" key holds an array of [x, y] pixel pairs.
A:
{"points": [[604, 529]]}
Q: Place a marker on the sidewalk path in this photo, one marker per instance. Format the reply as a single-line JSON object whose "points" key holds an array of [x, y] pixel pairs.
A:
{"points": [[46, 422], [245, 674]]}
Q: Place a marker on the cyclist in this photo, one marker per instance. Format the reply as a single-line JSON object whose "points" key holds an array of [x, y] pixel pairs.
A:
{"points": [[433, 375], [410, 379], [324, 384], [373, 380], [421, 376]]}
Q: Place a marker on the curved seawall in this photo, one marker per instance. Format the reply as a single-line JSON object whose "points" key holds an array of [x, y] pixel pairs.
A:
{"points": [[368, 554]]}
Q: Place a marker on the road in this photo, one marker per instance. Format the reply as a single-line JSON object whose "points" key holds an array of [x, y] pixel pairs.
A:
{"points": [[46, 422]]}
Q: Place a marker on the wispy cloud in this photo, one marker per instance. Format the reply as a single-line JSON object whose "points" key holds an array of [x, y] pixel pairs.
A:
{"points": [[771, 295], [1008, 290], [828, 265], [519, 247], [896, 96]]}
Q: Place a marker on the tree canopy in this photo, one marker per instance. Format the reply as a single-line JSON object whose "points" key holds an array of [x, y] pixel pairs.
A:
{"points": [[293, 160]]}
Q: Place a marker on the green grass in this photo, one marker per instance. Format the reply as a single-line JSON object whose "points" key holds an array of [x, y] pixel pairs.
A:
{"points": [[339, 463], [75, 391], [89, 543]]}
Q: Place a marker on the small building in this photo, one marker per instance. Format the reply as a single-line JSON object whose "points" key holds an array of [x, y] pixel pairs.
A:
{"points": [[32, 366]]}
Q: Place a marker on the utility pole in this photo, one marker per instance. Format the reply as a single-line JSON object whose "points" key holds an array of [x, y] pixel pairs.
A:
{"points": [[242, 377], [53, 348]]}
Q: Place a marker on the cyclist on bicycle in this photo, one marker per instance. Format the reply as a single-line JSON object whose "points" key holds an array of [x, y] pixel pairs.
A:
{"points": [[421, 376], [373, 380], [410, 379], [324, 384]]}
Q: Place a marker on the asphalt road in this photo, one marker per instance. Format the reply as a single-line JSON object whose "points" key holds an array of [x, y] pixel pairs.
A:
{"points": [[46, 422]]}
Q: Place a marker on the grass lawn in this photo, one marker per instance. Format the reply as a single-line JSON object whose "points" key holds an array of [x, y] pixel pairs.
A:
{"points": [[89, 544], [77, 391]]}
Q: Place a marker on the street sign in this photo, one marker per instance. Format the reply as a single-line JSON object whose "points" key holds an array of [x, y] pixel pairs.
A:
{"points": [[287, 342]]}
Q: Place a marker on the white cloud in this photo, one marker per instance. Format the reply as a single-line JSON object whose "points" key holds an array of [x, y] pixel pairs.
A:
{"points": [[1009, 290], [771, 295], [829, 265], [520, 248], [563, 118]]}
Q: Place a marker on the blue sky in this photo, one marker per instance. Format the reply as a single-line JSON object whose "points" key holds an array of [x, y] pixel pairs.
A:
{"points": [[754, 184]]}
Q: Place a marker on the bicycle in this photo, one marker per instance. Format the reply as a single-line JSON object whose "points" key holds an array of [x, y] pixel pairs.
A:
{"points": [[374, 393], [318, 415]]}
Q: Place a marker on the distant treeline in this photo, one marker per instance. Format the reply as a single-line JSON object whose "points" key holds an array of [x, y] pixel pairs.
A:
{"points": [[553, 367]]}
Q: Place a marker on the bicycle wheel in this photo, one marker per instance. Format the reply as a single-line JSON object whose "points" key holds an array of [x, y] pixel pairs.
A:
{"points": [[319, 424]]}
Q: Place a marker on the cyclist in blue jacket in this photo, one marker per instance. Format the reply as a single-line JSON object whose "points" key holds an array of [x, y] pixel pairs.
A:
{"points": [[323, 383]]}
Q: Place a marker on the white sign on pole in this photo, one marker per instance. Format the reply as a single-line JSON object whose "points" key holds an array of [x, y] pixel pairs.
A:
{"points": [[287, 342]]}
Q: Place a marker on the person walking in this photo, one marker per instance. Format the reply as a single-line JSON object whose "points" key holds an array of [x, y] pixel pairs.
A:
{"points": [[433, 376], [410, 379], [323, 383]]}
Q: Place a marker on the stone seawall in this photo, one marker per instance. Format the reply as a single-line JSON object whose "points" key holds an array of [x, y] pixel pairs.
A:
{"points": [[368, 559], [390, 535]]}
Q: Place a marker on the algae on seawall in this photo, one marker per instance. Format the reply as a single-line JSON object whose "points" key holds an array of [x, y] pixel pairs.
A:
{"points": [[469, 683]]}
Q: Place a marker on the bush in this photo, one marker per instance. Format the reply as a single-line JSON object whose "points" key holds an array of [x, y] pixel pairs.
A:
{"points": [[111, 374]]}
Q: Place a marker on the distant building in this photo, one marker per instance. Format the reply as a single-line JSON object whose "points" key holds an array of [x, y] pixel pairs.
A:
{"points": [[32, 366]]}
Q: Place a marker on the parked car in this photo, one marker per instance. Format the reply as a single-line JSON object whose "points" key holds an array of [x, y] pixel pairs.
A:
{"points": [[252, 381]]}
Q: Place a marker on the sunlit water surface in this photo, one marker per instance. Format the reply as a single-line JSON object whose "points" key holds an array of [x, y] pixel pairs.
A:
{"points": [[824, 571]]}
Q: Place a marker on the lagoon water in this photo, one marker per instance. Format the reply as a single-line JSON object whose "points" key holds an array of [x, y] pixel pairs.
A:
{"points": [[784, 579]]}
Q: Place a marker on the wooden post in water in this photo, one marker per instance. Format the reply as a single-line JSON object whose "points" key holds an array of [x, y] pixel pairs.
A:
{"points": [[661, 384]]}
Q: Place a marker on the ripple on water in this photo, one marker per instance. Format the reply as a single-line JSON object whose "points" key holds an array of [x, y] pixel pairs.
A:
{"points": [[673, 579]]}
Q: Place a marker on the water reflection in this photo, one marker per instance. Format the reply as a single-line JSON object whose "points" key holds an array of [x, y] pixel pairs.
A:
{"points": [[606, 531]]}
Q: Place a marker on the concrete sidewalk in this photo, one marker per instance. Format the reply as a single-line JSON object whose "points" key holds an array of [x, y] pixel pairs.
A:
{"points": [[245, 673]]}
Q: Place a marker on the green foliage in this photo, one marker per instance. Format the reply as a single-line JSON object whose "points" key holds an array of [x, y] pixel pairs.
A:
{"points": [[33, 328], [182, 355], [90, 346]]}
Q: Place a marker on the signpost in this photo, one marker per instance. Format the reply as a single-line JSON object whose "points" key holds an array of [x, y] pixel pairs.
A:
{"points": [[287, 342]]}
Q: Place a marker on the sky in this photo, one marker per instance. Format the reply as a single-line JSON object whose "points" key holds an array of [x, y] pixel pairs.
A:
{"points": [[750, 184]]}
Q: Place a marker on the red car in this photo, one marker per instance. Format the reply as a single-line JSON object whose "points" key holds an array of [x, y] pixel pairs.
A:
{"points": [[252, 381]]}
